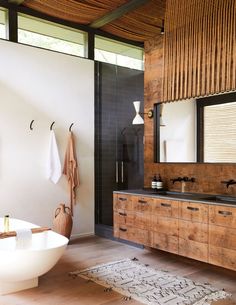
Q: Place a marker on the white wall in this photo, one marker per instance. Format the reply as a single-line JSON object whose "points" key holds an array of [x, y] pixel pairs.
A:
{"points": [[178, 137], [44, 86]]}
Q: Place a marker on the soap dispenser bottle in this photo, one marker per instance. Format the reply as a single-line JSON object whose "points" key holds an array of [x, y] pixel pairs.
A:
{"points": [[154, 182], [159, 183]]}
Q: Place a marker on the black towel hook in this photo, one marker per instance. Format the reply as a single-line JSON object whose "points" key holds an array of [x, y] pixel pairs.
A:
{"points": [[71, 126], [52, 125], [31, 125]]}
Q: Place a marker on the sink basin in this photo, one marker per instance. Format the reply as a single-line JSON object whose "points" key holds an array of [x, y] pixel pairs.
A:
{"points": [[196, 196], [183, 195], [221, 199], [193, 196]]}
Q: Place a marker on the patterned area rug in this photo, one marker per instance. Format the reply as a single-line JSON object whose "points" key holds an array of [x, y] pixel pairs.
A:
{"points": [[150, 286]]}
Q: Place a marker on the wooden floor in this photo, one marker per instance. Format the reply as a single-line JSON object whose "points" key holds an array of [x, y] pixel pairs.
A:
{"points": [[57, 288]]}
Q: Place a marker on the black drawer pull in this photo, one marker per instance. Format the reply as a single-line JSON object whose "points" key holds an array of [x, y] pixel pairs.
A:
{"points": [[123, 230], [167, 205], [122, 199], [193, 209], [142, 201], [122, 214], [225, 213]]}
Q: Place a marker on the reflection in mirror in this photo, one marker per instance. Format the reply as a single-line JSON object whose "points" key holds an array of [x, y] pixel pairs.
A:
{"points": [[177, 138], [200, 130], [217, 129]]}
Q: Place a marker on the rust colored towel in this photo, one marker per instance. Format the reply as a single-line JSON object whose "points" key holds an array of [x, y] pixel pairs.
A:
{"points": [[70, 169]]}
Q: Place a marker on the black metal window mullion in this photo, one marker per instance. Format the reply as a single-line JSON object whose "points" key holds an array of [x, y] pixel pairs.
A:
{"points": [[12, 25]]}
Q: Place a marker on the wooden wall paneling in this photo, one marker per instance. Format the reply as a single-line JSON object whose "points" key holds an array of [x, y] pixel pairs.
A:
{"points": [[208, 176], [199, 45]]}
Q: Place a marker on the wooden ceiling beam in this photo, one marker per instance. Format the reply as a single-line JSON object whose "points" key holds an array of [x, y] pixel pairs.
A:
{"points": [[18, 2], [117, 13]]}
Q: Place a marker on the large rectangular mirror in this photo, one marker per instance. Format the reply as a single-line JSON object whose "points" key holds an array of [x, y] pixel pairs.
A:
{"points": [[196, 130]]}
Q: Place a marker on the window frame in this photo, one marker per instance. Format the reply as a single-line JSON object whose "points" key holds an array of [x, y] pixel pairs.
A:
{"points": [[52, 31], [118, 54], [4, 10]]}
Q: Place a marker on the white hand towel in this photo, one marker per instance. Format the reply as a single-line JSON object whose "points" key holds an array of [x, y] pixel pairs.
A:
{"points": [[54, 163], [23, 238]]}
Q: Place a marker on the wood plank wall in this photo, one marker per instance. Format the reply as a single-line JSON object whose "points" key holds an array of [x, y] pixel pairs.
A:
{"points": [[208, 176], [199, 48]]}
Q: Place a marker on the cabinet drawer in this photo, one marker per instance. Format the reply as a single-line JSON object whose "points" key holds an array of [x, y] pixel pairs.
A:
{"points": [[163, 207], [193, 249], [194, 211], [223, 216], [142, 204], [164, 242], [135, 235], [123, 202], [123, 217], [193, 231], [168, 226], [141, 220], [222, 257], [222, 237]]}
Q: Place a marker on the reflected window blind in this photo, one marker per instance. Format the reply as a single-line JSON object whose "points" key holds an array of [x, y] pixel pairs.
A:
{"points": [[220, 133]]}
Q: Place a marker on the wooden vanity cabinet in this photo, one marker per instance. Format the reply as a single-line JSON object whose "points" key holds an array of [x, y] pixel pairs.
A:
{"points": [[164, 225], [131, 218], [193, 230], [222, 236], [205, 232]]}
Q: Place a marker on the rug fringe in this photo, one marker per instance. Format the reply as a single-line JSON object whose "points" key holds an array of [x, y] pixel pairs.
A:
{"points": [[215, 296], [98, 266]]}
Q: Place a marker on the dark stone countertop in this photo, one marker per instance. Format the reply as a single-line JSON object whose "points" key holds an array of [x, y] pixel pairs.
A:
{"points": [[212, 199]]}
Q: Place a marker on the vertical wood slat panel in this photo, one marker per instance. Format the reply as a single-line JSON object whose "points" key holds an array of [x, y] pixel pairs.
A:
{"points": [[230, 45], [199, 48], [214, 49], [177, 74], [234, 46], [207, 51], [218, 51], [195, 47]]}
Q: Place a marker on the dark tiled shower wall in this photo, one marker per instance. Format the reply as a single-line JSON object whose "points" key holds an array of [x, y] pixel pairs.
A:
{"points": [[116, 139]]}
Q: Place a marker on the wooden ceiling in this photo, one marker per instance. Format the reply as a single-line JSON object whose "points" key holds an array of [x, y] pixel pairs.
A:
{"points": [[137, 20]]}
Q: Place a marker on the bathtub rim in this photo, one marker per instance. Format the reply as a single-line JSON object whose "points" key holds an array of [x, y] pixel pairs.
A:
{"points": [[64, 240]]}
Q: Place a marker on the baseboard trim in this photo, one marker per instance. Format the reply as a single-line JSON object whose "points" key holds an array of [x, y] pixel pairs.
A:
{"points": [[80, 235]]}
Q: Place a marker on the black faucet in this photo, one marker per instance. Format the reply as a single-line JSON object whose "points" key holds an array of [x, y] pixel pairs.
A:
{"points": [[184, 179], [229, 182], [176, 179]]}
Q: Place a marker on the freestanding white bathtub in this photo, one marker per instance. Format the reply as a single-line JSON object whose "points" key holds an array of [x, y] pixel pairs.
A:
{"points": [[20, 268]]}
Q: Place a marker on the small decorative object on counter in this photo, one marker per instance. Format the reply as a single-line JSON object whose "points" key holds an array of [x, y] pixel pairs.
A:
{"points": [[63, 221], [154, 182], [159, 183], [6, 223]]}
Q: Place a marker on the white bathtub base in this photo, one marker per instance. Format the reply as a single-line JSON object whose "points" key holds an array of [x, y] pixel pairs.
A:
{"points": [[11, 287]]}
